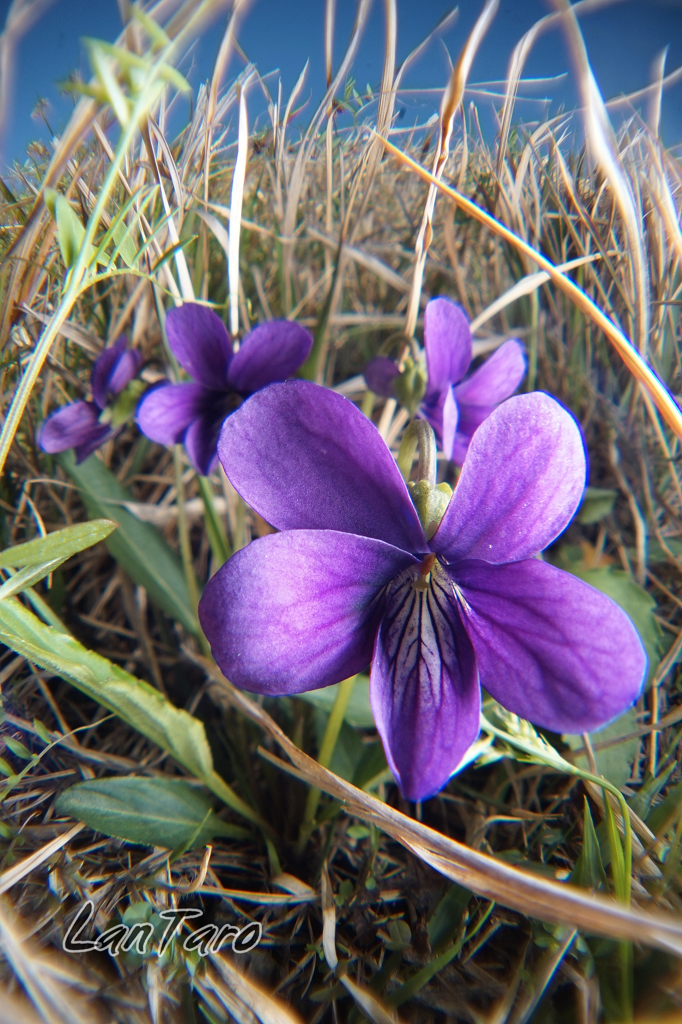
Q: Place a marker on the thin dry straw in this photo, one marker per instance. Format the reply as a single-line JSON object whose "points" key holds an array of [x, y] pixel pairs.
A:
{"points": [[452, 98], [656, 97], [20, 17], [295, 185], [632, 359], [529, 894], [186, 22], [236, 201], [518, 60], [602, 144]]}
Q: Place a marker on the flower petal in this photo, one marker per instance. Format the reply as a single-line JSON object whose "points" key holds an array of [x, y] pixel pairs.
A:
{"points": [[477, 396], [497, 378], [199, 341], [447, 340], [450, 418], [73, 425], [201, 442], [298, 610], [272, 352], [165, 413], [82, 451], [305, 457], [549, 647], [379, 376], [424, 685], [102, 370], [520, 484], [126, 368]]}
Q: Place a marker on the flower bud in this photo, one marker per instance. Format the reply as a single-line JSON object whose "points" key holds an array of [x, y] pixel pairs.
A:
{"points": [[430, 503], [410, 386], [123, 407]]}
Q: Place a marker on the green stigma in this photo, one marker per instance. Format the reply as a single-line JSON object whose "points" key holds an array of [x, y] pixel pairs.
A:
{"points": [[429, 498], [430, 503], [123, 408], [410, 386]]}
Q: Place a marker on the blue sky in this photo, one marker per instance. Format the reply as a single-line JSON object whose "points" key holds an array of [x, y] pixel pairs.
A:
{"points": [[282, 34]]}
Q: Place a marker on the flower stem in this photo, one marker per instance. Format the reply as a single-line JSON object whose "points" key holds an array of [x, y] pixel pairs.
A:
{"points": [[215, 530], [418, 437], [331, 735], [183, 537]]}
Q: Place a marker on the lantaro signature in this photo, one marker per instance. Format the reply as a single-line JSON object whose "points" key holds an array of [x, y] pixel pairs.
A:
{"points": [[136, 938]]}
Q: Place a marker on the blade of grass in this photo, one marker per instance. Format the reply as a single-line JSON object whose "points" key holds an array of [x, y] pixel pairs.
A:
{"points": [[661, 397]]}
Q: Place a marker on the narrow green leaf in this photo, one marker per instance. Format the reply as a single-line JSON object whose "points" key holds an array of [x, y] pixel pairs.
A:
{"points": [[61, 544], [70, 231], [25, 577], [621, 882], [151, 27], [125, 243], [101, 63], [643, 799], [133, 700], [18, 748], [597, 502], [153, 812], [615, 762], [667, 812], [5, 769], [588, 871], [448, 916], [358, 710], [42, 731], [138, 547], [138, 703]]}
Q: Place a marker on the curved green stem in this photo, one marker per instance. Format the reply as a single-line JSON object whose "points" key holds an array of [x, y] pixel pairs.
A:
{"points": [[418, 438]]}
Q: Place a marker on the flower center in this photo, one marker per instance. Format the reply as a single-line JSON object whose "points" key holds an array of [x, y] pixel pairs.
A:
{"points": [[422, 581]]}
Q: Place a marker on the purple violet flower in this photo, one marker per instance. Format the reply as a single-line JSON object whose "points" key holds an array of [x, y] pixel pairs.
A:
{"points": [[351, 579], [194, 413], [455, 408], [82, 425]]}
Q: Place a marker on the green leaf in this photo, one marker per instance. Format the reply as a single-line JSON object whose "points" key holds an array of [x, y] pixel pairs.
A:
{"points": [[644, 797], [125, 243], [61, 544], [635, 602], [18, 748], [138, 547], [70, 231], [153, 812], [101, 63], [621, 880], [667, 812], [136, 702], [42, 730], [597, 502], [615, 762], [358, 711], [25, 577], [448, 916], [588, 871]]}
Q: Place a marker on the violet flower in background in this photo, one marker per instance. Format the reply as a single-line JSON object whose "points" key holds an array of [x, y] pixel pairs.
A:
{"points": [[455, 408], [193, 413], [351, 579], [82, 425]]}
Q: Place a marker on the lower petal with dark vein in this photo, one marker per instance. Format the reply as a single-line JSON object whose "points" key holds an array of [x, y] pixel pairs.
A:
{"points": [[424, 683], [298, 610]]}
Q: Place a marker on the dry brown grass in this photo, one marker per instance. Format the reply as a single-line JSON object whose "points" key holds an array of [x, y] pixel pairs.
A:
{"points": [[330, 235]]}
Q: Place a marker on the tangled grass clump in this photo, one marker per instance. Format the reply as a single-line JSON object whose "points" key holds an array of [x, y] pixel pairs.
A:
{"points": [[544, 882]]}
